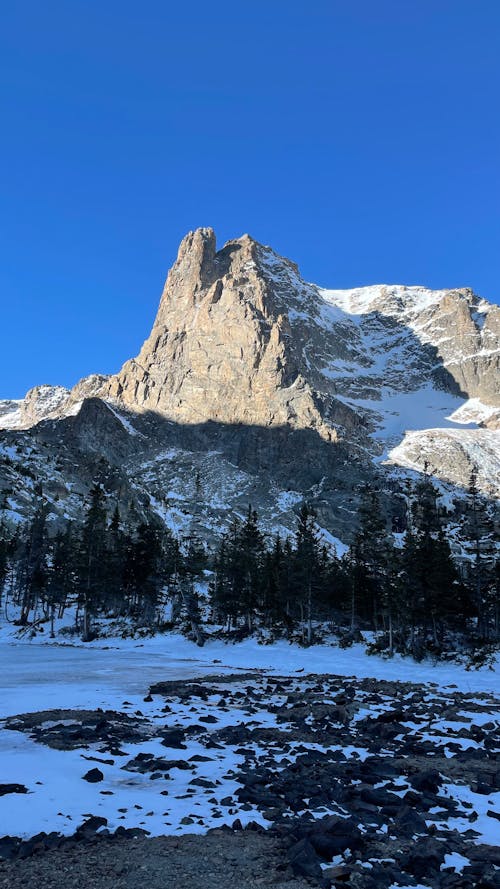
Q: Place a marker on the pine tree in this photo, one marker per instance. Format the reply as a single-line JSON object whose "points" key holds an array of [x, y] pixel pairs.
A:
{"points": [[61, 583], [144, 571], [224, 606], [92, 559], [239, 571], [428, 571], [480, 541], [307, 567], [288, 580], [247, 563], [194, 564], [274, 583], [337, 587], [117, 545], [411, 584], [195, 560], [4, 555], [32, 562], [372, 564]]}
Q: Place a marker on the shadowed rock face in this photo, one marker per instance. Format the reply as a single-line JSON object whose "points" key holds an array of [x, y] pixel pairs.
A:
{"points": [[273, 390]]}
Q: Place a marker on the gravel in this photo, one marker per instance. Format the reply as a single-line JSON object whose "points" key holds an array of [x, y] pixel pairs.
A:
{"points": [[219, 860]]}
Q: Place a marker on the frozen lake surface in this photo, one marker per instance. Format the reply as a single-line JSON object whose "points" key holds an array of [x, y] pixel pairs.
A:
{"points": [[36, 676], [40, 677]]}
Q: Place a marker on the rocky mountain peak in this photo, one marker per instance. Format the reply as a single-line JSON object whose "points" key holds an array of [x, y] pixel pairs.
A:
{"points": [[220, 349], [193, 270], [244, 351]]}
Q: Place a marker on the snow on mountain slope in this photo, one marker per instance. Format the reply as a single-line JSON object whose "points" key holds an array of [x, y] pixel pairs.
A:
{"points": [[273, 390], [10, 413], [39, 403], [452, 453], [406, 360], [448, 337], [48, 403], [454, 333]]}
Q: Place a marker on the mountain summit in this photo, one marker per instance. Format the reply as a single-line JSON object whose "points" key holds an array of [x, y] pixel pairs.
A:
{"points": [[221, 347], [290, 391]]}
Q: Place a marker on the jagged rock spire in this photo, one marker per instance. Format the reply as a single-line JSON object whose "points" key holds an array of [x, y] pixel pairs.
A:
{"points": [[220, 348]]}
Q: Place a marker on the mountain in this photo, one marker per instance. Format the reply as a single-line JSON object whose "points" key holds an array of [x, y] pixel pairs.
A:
{"points": [[256, 386]]}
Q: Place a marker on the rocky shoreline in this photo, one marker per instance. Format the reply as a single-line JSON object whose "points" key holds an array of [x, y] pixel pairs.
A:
{"points": [[317, 779]]}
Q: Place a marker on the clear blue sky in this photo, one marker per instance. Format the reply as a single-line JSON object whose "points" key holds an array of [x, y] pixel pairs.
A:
{"points": [[359, 137]]}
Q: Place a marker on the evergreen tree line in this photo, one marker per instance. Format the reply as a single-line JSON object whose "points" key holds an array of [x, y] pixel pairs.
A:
{"points": [[102, 566], [406, 587], [410, 591]]}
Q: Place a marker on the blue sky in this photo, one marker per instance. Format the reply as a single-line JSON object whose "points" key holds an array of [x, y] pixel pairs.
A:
{"points": [[360, 138]]}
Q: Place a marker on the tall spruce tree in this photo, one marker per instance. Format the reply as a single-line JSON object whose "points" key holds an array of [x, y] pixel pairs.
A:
{"points": [[61, 583], [91, 576], [480, 542], [307, 574], [372, 563], [274, 583], [117, 546], [224, 605], [430, 574], [4, 555], [248, 558], [144, 571], [32, 562], [194, 562]]}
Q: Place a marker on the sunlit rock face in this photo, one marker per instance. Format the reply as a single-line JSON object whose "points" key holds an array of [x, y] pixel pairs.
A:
{"points": [[222, 347], [272, 390]]}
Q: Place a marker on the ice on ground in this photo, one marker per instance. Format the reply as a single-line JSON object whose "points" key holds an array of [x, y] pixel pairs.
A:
{"points": [[128, 664]]}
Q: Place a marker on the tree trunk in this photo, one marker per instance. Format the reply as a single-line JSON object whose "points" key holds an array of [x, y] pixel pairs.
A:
{"points": [[86, 623], [309, 615], [353, 606]]}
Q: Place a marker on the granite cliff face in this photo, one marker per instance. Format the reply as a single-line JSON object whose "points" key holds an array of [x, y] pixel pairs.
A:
{"points": [[222, 349], [240, 337], [272, 390]]}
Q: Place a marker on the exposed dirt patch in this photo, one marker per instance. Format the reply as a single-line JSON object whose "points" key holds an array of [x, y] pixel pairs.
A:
{"points": [[217, 861]]}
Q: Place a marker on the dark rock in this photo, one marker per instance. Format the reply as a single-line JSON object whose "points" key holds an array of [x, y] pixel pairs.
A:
{"points": [[146, 762], [131, 832], [12, 788], [409, 822], [203, 782], [429, 779], [174, 738], [9, 847], [425, 858], [93, 776], [304, 861], [92, 824]]}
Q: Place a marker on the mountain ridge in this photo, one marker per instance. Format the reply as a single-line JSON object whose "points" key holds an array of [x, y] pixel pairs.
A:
{"points": [[391, 379]]}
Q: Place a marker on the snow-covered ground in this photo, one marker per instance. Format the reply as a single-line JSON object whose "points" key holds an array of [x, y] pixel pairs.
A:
{"points": [[115, 674]]}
